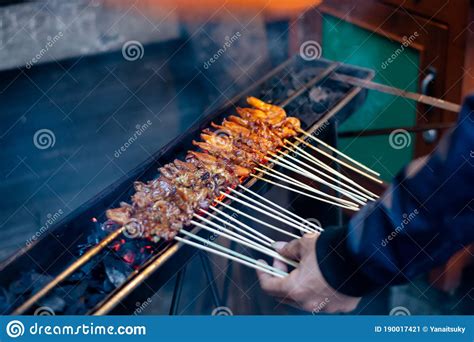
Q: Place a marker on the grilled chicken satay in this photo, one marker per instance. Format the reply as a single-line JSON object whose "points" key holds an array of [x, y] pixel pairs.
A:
{"points": [[161, 207], [275, 114]]}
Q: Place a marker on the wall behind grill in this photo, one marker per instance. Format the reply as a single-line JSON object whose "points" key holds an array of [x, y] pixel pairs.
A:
{"points": [[92, 99]]}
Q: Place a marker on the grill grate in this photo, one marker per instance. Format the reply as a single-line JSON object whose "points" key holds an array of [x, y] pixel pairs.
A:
{"points": [[104, 283]]}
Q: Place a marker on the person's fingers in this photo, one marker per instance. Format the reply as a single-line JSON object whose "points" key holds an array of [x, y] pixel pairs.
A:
{"points": [[288, 301], [270, 284], [280, 265], [291, 250]]}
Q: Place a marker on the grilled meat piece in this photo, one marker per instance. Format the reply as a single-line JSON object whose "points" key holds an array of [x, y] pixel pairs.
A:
{"points": [[161, 207]]}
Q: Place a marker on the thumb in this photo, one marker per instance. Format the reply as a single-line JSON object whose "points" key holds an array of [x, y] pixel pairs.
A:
{"points": [[290, 250]]}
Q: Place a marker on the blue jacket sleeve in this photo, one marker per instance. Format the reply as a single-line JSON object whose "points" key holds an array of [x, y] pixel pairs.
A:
{"points": [[424, 217]]}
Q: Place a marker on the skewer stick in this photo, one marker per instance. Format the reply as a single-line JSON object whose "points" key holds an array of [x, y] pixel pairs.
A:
{"points": [[259, 221], [321, 142], [302, 185], [228, 232], [298, 227], [261, 249], [256, 232], [230, 254], [359, 171], [304, 193], [302, 153], [278, 213], [338, 181], [295, 168], [347, 193], [306, 222], [68, 271], [243, 231]]}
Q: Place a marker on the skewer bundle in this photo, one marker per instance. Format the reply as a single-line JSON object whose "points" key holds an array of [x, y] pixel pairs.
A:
{"points": [[188, 193]]}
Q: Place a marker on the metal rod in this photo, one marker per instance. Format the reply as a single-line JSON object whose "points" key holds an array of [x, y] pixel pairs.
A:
{"points": [[178, 288], [206, 266], [428, 100], [68, 271]]}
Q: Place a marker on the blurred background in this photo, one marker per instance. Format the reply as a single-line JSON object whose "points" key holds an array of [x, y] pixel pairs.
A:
{"points": [[77, 78]]}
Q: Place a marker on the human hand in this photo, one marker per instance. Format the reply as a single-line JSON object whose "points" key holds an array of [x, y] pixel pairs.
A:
{"points": [[305, 287]]}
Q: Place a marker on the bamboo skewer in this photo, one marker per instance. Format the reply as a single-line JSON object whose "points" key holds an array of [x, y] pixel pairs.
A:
{"points": [[298, 227], [230, 254], [281, 176], [276, 212], [225, 233], [338, 181], [304, 193], [299, 151], [241, 224], [295, 168], [243, 231], [321, 142], [365, 174], [306, 222], [259, 221]]}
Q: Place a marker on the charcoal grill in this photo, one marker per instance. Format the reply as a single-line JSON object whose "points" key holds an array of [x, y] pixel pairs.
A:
{"points": [[113, 281]]}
